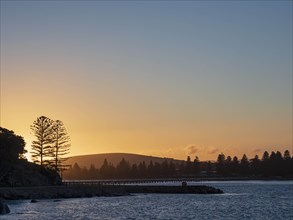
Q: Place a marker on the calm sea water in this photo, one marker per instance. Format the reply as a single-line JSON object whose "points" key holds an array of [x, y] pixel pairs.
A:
{"points": [[242, 200]]}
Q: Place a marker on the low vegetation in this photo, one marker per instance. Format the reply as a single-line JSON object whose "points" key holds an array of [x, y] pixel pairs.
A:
{"points": [[15, 170]]}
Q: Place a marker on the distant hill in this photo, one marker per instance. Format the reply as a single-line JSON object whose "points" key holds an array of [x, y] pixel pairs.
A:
{"points": [[114, 158]]}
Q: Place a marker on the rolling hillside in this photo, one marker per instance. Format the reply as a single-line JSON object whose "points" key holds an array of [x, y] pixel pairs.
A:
{"points": [[114, 158]]}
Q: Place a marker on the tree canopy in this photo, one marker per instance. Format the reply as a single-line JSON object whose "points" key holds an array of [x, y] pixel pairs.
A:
{"points": [[11, 145]]}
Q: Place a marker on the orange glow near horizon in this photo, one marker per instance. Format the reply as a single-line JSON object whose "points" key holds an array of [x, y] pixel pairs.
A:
{"points": [[174, 142], [97, 127]]}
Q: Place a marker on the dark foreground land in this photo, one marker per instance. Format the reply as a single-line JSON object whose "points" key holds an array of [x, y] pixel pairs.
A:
{"points": [[79, 191]]}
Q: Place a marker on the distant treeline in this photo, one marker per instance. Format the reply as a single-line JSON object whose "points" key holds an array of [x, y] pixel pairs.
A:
{"points": [[274, 164]]}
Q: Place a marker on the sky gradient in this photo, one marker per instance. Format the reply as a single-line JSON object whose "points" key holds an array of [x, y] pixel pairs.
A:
{"points": [[158, 78]]}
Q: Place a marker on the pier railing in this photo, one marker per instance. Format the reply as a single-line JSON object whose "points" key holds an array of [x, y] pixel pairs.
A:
{"points": [[146, 181], [124, 181]]}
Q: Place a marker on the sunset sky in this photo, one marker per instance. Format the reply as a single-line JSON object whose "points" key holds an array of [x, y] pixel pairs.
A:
{"points": [[160, 78]]}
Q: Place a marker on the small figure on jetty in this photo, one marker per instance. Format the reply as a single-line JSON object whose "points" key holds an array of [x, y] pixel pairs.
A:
{"points": [[184, 184]]}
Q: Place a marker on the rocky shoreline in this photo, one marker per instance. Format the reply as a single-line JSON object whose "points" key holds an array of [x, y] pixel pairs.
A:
{"points": [[81, 191]]}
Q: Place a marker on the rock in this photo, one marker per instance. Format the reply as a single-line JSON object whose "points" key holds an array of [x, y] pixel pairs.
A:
{"points": [[34, 201], [4, 209]]}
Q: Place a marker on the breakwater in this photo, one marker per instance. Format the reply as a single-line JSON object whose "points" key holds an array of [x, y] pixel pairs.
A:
{"points": [[173, 189]]}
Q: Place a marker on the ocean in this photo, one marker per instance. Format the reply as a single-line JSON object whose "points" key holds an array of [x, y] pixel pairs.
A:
{"points": [[241, 200]]}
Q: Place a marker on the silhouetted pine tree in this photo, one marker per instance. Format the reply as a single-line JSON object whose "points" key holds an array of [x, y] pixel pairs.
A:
{"points": [[275, 164], [220, 164], [228, 166], [165, 169], [142, 169], [150, 169], [255, 165], [265, 165], [123, 168], [104, 170], [244, 165], [92, 172], [235, 166], [288, 163], [75, 172], [42, 146], [61, 145], [134, 171], [157, 169]]}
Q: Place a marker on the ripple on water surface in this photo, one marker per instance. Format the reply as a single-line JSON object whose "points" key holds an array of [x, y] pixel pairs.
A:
{"points": [[241, 200]]}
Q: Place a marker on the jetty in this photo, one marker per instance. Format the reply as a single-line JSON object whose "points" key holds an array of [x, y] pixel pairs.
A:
{"points": [[90, 189]]}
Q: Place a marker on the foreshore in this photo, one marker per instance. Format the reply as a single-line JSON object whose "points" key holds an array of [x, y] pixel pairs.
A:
{"points": [[81, 191]]}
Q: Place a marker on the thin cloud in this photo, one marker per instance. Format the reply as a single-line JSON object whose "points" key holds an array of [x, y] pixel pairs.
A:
{"points": [[192, 149], [213, 150]]}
